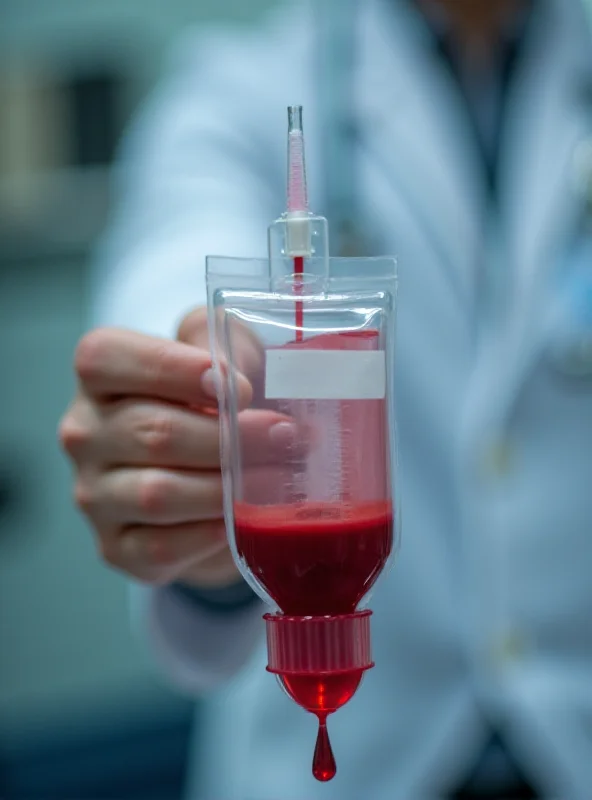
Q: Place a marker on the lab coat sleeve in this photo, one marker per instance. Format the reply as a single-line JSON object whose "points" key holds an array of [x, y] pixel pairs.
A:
{"points": [[197, 649], [197, 176]]}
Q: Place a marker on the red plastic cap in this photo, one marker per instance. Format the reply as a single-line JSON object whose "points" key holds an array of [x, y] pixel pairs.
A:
{"points": [[313, 645]]}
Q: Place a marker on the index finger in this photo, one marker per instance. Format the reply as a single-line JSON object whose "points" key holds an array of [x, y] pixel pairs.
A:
{"points": [[112, 362]]}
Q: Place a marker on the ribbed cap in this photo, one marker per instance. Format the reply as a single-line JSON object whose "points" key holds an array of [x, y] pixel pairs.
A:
{"points": [[312, 645]]}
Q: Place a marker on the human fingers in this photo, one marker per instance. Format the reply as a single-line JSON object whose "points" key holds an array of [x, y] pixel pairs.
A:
{"points": [[112, 362], [248, 355], [144, 432], [268, 437], [131, 496], [140, 432], [163, 554]]}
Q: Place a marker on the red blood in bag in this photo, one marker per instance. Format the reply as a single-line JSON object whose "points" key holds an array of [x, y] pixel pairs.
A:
{"points": [[319, 558], [315, 559]]}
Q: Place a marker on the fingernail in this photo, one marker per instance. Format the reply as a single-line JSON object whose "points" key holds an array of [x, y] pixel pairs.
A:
{"points": [[208, 384], [283, 434]]}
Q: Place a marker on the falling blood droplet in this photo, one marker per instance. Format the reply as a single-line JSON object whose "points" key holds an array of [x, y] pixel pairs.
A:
{"points": [[323, 763]]}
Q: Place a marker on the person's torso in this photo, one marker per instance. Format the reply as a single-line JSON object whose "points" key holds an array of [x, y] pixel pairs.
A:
{"points": [[486, 613]]}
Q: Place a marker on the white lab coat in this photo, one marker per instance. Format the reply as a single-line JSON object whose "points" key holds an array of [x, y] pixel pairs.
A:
{"points": [[487, 613]]}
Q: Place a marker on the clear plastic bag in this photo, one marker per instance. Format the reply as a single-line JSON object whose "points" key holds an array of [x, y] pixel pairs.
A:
{"points": [[309, 461]]}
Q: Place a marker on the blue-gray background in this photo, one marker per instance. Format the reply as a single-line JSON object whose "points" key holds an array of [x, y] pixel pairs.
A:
{"points": [[82, 714]]}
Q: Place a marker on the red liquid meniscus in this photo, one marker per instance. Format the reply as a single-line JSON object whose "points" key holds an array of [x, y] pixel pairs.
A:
{"points": [[315, 559]]}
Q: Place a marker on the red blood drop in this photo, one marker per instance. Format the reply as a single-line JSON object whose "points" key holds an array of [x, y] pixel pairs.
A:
{"points": [[323, 763]]}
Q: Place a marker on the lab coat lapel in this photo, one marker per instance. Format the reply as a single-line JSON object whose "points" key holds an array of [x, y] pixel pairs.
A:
{"points": [[547, 117], [414, 128]]}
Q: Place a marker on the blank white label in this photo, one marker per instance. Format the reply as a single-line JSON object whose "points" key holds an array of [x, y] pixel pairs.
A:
{"points": [[325, 375]]}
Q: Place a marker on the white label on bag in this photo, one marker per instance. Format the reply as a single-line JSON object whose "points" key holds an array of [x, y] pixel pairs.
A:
{"points": [[325, 375]]}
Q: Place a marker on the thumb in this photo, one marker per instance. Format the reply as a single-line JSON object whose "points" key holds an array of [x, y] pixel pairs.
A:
{"points": [[247, 352], [194, 328]]}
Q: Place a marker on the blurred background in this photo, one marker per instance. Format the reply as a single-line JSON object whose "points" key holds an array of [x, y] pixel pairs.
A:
{"points": [[82, 713]]}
